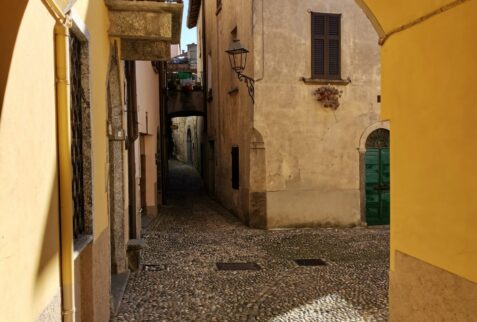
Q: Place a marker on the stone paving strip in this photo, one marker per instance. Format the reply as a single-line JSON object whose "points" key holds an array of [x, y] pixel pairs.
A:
{"points": [[181, 281]]}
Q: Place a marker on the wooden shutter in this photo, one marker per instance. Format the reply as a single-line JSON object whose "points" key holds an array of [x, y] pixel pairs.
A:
{"points": [[235, 168], [333, 23], [325, 46], [318, 45]]}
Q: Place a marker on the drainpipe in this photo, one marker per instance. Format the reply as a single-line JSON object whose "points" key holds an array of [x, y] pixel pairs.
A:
{"points": [[63, 101]]}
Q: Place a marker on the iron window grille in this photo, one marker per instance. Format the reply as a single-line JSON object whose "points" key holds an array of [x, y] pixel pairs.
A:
{"points": [[77, 102]]}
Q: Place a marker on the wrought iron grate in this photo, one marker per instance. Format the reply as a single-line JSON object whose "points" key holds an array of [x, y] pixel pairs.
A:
{"points": [[77, 136], [238, 267], [310, 262], [378, 139]]}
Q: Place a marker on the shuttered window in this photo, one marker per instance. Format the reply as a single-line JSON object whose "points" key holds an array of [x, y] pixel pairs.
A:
{"points": [[325, 46], [235, 168]]}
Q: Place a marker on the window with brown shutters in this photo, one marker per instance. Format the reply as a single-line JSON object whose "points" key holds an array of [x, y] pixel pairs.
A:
{"points": [[325, 46]]}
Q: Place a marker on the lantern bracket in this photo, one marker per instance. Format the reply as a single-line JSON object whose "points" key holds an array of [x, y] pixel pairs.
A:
{"points": [[238, 60], [250, 82]]}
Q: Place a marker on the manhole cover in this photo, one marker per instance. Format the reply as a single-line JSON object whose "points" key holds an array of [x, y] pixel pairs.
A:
{"points": [[238, 267], [154, 268], [310, 262]]}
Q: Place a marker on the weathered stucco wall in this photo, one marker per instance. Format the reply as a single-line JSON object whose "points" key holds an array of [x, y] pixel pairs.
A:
{"points": [[230, 112], [312, 161]]}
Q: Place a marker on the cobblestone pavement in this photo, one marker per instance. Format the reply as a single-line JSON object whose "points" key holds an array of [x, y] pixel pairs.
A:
{"points": [[182, 283]]}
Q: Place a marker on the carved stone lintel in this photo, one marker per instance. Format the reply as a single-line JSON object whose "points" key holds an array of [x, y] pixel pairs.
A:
{"points": [[154, 20]]}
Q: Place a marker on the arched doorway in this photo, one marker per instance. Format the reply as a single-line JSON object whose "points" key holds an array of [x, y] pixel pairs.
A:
{"points": [[189, 147], [377, 177]]}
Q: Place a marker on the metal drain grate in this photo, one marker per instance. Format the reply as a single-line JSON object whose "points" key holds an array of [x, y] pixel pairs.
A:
{"points": [[154, 268], [310, 262], [238, 267]]}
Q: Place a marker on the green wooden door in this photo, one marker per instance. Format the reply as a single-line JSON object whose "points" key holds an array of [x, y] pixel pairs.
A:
{"points": [[377, 186]]}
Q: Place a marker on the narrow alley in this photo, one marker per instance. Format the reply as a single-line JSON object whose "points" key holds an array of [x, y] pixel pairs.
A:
{"points": [[239, 160], [180, 280]]}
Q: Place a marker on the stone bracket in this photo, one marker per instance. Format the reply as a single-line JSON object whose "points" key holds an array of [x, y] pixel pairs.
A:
{"points": [[141, 25], [132, 49]]}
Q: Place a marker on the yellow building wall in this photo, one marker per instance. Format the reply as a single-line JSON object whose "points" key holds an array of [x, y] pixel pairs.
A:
{"points": [[429, 96], [393, 13], [29, 212], [29, 225], [428, 80]]}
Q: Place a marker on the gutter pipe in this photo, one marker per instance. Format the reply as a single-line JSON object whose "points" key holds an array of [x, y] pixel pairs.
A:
{"points": [[65, 171]]}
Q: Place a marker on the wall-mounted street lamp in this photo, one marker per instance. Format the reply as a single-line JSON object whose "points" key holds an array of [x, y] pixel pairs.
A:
{"points": [[238, 60]]}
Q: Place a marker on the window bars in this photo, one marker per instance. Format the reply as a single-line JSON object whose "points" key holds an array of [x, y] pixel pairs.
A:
{"points": [[77, 102]]}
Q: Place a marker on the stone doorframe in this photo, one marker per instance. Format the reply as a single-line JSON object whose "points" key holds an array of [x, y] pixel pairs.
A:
{"points": [[116, 188], [362, 164]]}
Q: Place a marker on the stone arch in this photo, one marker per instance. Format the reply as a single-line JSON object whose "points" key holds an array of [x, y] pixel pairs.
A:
{"points": [[258, 181], [370, 129]]}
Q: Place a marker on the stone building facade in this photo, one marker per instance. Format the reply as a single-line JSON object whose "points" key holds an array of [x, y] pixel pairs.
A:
{"points": [[299, 163]]}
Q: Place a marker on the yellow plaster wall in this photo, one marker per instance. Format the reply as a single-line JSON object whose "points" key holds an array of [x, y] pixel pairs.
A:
{"points": [[29, 226], [429, 95], [394, 13], [29, 214]]}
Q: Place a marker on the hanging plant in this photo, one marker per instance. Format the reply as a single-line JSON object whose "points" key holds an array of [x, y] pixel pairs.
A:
{"points": [[329, 96]]}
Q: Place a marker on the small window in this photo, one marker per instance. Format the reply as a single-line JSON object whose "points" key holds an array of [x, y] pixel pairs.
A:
{"points": [[235, 168], [325, 46]]}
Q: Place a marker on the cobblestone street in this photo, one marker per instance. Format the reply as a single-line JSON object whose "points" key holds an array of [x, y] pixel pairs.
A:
{"points": [[181, 282]]}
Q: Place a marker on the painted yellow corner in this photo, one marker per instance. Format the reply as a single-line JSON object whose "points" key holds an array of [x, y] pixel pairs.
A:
{"points": [[428, 80]]}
